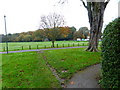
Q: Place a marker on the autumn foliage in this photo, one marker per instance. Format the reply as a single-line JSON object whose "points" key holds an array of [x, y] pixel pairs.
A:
{"points": [[38, 35], [64, 31]]}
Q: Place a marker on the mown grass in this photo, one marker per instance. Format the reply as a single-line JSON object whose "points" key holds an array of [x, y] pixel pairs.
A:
{"points": [[28, 70], [0, 72], [13, 46], [69, 61]]}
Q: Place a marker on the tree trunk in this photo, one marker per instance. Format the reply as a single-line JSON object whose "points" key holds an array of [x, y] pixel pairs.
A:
{"points": [[95, 10], [53, 43], [95, 14]]}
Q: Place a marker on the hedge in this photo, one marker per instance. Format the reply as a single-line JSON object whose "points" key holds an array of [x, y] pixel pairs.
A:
{"points": [[111, 55]]}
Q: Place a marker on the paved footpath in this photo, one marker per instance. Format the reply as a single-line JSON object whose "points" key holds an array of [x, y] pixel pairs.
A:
{"points": [[41, 49], [85, 78]]}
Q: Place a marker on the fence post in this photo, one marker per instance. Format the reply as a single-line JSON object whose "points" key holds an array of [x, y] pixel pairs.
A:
{"points": [[57, 45], [4, 48], [83, 44], [63, 45], [22, 47], [29, 46], [37, 46], [73, 44], [68, 44], [45, 46]]}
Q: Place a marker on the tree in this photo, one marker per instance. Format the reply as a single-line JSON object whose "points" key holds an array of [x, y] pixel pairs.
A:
{"points": [[64, 32], [38, 35], [50, 24], [72, 31], [27, 38], [20, 37], [14, 36], [95, 10], [78, 34], [84, 31], [95, 15], [2, 37]]}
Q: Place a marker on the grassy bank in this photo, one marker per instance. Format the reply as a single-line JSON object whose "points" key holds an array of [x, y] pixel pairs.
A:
{"points": [[28, 69]]}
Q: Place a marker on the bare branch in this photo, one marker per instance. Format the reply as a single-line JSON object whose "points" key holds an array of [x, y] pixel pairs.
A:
{"points": [[52, 21], [106, 3], [84, 4], [62, 1]]}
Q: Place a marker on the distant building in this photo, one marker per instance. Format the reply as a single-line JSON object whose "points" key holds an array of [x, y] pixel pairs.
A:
{"points": [[86, 40], [88, 37], [78, 39]]}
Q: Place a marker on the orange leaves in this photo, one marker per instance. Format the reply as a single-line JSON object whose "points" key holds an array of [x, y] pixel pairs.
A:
{"points": [[64, 31]]}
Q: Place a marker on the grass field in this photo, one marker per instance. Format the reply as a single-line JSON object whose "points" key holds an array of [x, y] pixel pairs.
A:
{"points": [[13, 46], [28, 69]]}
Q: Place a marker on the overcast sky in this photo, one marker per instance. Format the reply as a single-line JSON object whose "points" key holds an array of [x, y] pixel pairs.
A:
{"points": [[24, 15]]}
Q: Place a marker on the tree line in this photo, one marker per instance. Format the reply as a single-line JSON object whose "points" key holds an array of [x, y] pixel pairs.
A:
{"points": [[63, 33]]}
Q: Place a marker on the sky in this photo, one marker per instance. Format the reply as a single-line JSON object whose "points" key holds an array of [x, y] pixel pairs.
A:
{"points": [[24, 15]]}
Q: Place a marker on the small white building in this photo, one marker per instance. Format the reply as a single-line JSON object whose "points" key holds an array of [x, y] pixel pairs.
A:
{"points": [[78, 39], [86, 40]]}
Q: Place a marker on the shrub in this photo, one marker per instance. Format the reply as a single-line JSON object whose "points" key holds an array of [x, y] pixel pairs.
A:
{"points": [[111, 55]]}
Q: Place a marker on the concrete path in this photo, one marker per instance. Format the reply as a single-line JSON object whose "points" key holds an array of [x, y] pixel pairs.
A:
{"points": [[85, 78], [41, 49]]}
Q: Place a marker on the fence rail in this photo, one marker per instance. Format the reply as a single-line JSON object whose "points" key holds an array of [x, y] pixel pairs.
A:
{"points": [[29, 47]]}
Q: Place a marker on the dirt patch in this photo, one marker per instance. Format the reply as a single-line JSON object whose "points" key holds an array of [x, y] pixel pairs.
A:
{"points": [[40, 51], [62, 81]]}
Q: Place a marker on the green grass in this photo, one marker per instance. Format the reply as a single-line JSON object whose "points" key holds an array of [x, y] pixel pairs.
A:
{"points": [[70, 60], [13, 46], [0, 71], [28, 69]]}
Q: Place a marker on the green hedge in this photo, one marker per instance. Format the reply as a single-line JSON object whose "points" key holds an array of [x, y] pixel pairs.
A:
{"points": [[111, 55]]}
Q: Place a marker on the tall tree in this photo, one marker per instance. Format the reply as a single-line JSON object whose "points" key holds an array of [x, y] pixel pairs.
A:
{"points": [[64, 32], [70, 35], [78, 34], [38, 35], [95, 10], [50, 24], [84, 31], [27, 38]]}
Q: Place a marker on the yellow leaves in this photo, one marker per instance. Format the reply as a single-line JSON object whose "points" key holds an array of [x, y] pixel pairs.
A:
{"points": [[64, 31]]}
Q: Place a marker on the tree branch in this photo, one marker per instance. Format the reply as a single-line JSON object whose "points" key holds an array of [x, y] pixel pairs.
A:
{"points": [[84, 4], [106, 3], [62, 1]]}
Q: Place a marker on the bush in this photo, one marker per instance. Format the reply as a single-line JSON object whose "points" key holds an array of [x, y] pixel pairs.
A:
{"points": [[111, 55]]}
